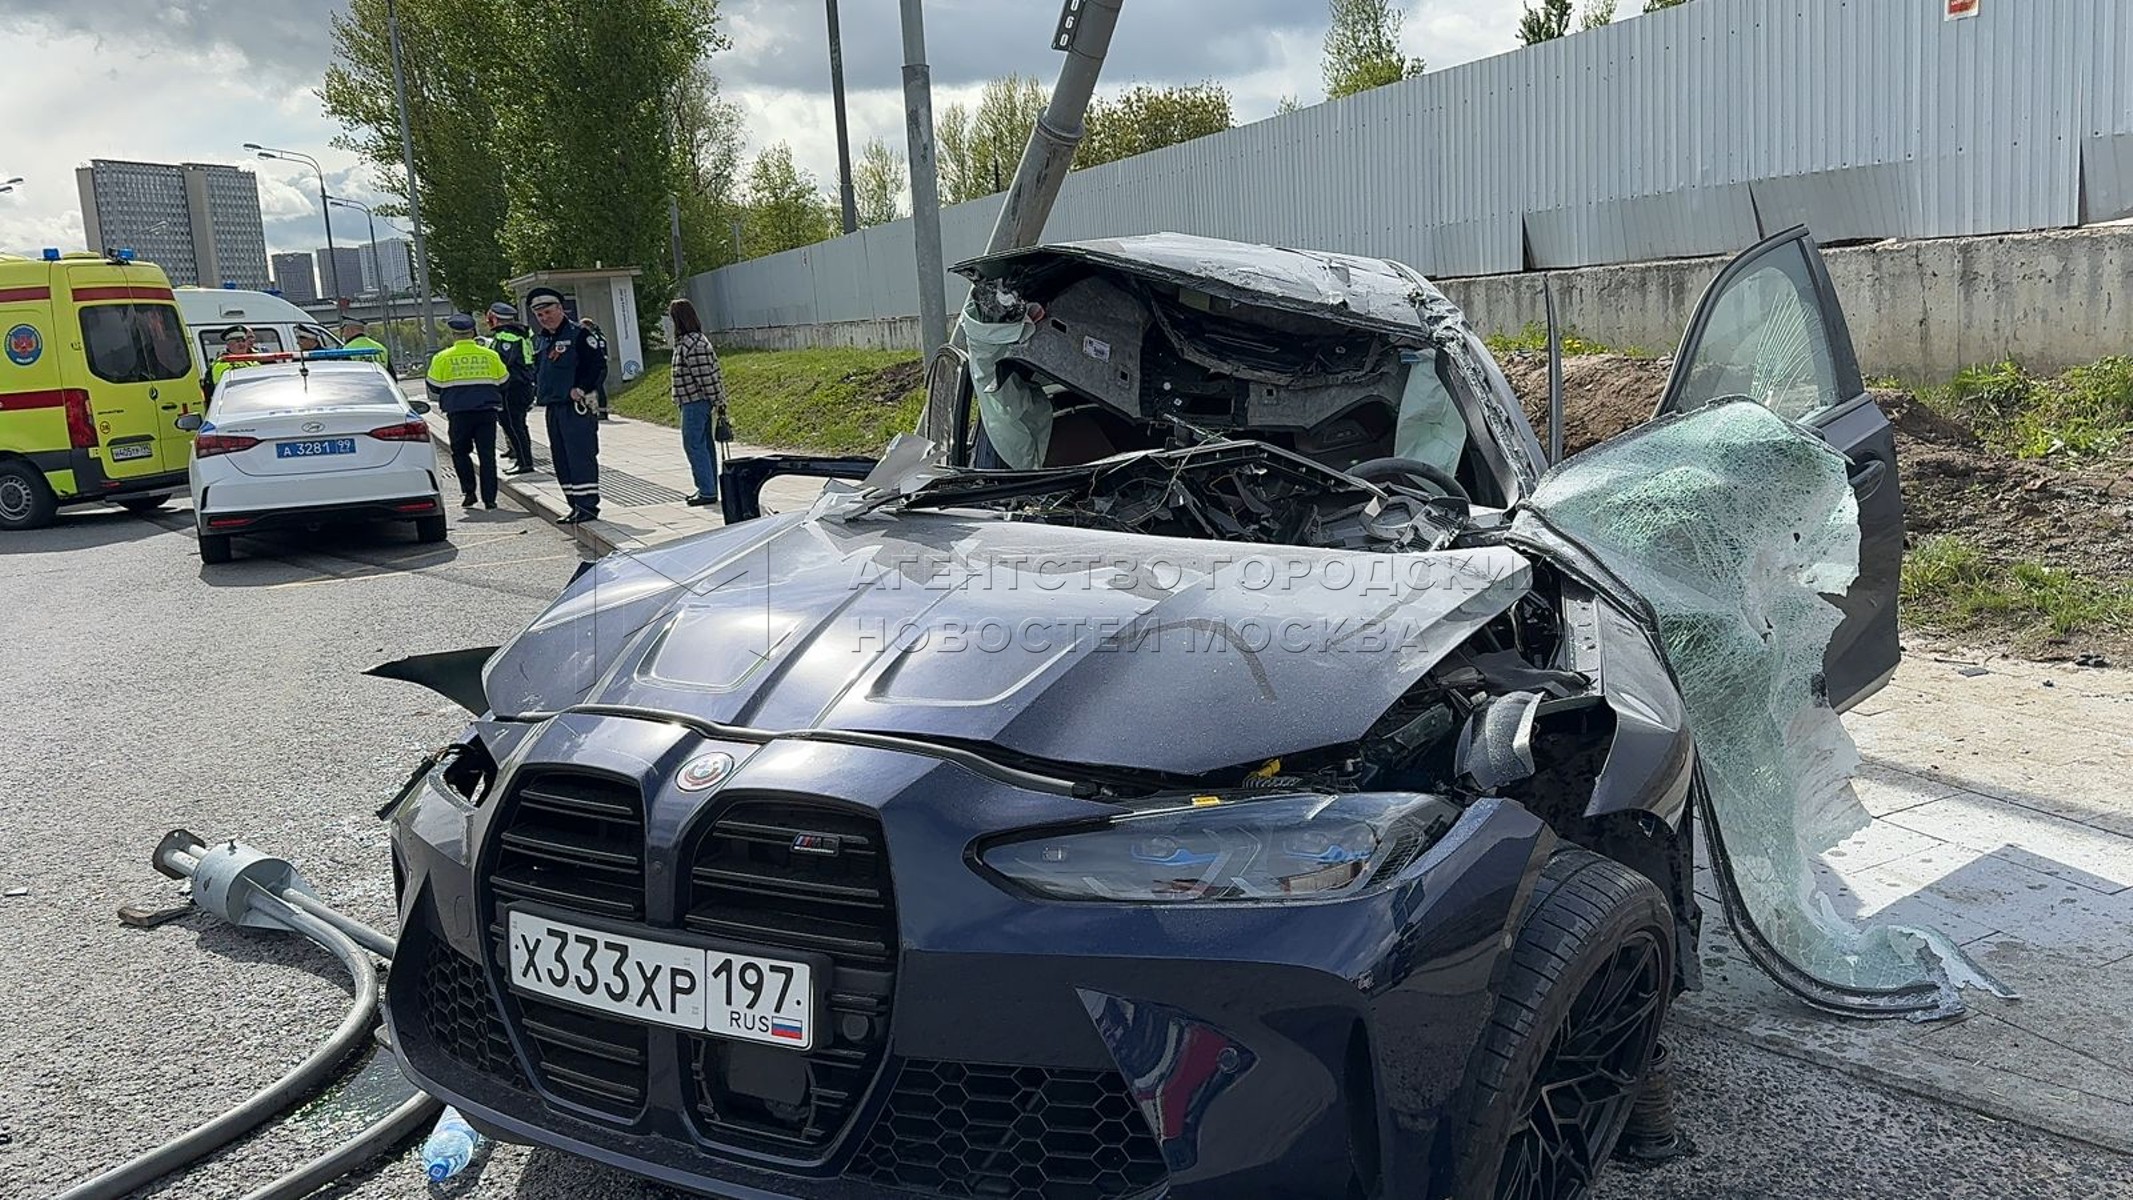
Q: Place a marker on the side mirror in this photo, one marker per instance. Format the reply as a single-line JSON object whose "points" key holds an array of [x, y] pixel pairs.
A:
{"points": [[191, 422], [420, 406]]}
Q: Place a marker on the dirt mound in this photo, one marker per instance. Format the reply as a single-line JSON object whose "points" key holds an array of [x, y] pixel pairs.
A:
{"points": [[2078, 517], [1603, 394], [890, 384]]}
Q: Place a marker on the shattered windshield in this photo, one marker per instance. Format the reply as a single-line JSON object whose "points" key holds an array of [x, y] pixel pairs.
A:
{"points": [[1735, 526]]}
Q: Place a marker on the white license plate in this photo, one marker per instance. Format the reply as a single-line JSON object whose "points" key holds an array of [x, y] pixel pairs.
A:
{"points": [[314, 449], [727, 995], [132, 450]]}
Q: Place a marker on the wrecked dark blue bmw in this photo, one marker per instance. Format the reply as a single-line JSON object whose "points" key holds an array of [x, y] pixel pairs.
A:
{"points": [[1228, 762]]}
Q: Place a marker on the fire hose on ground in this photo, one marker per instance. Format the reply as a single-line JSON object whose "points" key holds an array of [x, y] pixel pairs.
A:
{"points": [[254, 890]]}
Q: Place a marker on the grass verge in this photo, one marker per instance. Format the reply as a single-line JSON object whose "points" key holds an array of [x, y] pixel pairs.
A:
{"points": [[2084, 412], [1950, 586], [809, 401]]}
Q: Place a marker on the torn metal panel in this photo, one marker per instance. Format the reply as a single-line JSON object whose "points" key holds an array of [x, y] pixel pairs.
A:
{"points": [[453, 674], [1732, 524]]}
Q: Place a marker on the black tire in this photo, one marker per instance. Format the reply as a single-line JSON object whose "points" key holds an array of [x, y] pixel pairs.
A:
{"points": [[216, 548], [26, 500], [144, 504], [430, 529], [1591, 977]]}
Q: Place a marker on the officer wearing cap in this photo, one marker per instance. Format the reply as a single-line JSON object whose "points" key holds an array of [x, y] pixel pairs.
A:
{"points": [[570, 365], [513, 343], [466, 381], [237, 342], [355, 336]]}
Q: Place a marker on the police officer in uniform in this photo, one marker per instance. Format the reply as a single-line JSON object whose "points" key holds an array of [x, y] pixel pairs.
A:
{"points": [[570, 366], [236, 341], [514, 344], [355, 335], [466, 381]]}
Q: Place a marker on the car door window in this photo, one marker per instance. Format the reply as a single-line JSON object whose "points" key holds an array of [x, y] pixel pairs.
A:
{"points": [[1765, 339]]}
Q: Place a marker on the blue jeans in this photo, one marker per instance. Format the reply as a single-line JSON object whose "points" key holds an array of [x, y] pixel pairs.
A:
{"points": [[696, 442]]}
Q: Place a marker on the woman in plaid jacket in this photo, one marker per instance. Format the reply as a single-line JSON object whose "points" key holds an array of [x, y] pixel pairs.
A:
{"points": [[700, 392]]}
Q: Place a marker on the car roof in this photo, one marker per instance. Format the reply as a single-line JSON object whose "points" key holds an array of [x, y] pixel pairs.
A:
{"points": [[237, 306], [1371, 293], [330, 370]]}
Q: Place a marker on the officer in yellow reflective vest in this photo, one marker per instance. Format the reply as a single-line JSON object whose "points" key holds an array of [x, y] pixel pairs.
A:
{"points": [[466, 381], [355, 335], [236, 340], [513, 343]]}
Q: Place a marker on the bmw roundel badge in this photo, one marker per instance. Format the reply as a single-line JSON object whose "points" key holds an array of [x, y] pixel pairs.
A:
{"points": [[704, 771]]}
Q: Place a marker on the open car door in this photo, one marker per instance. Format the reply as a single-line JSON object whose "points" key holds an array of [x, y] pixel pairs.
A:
{"points": [[1770, 329]]}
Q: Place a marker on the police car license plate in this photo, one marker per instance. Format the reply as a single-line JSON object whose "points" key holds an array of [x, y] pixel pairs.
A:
{"points": [[725, 995], [314, 449]]}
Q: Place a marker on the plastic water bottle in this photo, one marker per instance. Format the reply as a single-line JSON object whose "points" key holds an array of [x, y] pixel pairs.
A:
{"points": [[450, 1147]]}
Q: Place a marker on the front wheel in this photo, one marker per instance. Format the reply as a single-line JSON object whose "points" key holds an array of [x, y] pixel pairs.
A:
{"points": [[1551, 1084], [429, 529], [26, 500]]}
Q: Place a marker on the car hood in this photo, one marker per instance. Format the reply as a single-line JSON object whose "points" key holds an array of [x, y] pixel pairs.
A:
{"points": [[1364, 293], [1065, 645]]}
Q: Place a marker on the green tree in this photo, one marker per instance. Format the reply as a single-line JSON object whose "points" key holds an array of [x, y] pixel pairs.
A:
{"points": [[878, 183], [1147, 118], [1363, 48], [1544, 24], [709, 132], [783, 209], [596, 149], [1597, 13], [454, 84], [1656, 5], [978, 153]]}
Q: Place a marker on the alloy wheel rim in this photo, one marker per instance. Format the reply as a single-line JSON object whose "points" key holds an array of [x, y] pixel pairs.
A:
{"points": [[1580, 1099]]}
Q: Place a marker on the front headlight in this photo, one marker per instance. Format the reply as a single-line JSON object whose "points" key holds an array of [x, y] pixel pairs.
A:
{"points": [[1232, 849]]}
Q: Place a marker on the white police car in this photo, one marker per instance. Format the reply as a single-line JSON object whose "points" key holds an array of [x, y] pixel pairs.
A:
{"points": [[300, 442]]}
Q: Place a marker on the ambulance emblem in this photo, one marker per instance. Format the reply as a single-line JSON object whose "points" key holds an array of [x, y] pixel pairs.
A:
{"points": [[24, 345]]}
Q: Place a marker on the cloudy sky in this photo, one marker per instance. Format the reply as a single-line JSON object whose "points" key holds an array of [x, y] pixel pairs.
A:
{"points": [[192, 80]]}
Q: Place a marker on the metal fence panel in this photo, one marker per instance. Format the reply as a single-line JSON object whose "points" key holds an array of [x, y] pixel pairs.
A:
{"points": [[1684, 132]]}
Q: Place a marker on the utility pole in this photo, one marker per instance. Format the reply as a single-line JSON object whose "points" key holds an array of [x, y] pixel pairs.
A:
{"points": [[844, 137], [925, 187], [1085, 34], [414, 202]]}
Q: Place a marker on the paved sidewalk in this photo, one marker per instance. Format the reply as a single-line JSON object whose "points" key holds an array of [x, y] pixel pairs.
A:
{"points": [[644, 481], [2001, 817]]}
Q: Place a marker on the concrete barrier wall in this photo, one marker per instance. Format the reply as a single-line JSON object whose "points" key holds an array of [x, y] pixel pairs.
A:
{"points": [[1919, 310]]}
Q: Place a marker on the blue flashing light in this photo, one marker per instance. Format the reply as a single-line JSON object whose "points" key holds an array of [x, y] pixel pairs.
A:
{"points": [[125, 254], [229, 285], [51, 254], [336, 355]]}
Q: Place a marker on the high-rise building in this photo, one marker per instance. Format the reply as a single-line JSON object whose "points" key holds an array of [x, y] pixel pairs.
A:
{"points": [[388, 267], [293, 274], [198, 221], [230, 244], [340, 268]]}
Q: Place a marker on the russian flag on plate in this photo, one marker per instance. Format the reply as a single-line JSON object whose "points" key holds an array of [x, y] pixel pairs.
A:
{"points": [[789, 1030]]}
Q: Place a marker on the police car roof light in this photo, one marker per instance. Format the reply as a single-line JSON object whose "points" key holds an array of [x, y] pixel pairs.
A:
{"points": [[125, 254], [51, 254]]}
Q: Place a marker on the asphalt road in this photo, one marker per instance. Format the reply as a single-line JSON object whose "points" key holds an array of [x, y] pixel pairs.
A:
{"points": [[144, 692]]}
